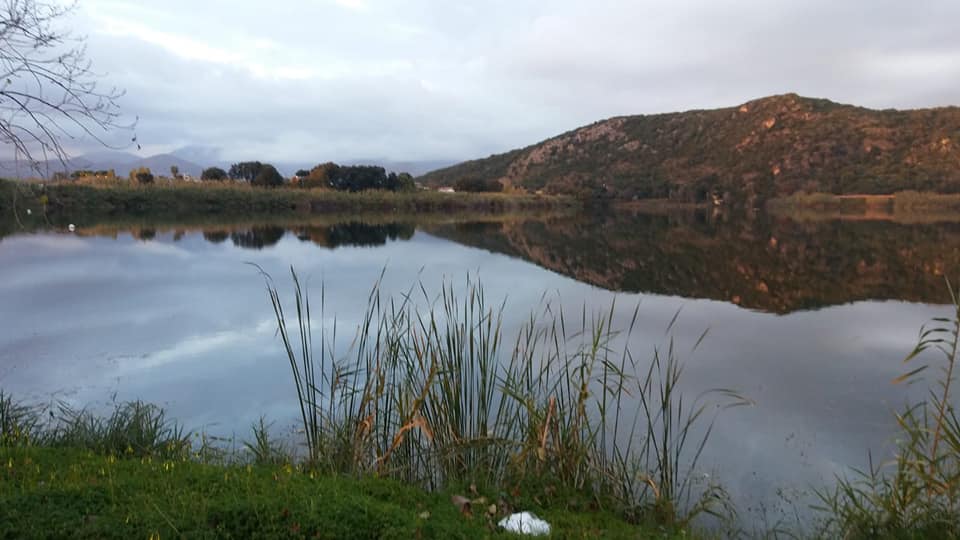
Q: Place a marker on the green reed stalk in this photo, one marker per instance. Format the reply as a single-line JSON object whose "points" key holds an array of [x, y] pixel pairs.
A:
{"points": [[429, 395], [917, 493]]}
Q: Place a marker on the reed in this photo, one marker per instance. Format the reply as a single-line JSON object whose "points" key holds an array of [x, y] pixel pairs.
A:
{"points": [[917, 493], [429, 393]]}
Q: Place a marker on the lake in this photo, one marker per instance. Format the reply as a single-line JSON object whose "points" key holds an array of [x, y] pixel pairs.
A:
{"points": [[809, 319]]}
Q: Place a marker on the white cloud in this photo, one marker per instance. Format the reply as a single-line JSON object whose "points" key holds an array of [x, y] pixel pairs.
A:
{"points": [[421, 79], [198, 346], [358, 5], [194, 49]]}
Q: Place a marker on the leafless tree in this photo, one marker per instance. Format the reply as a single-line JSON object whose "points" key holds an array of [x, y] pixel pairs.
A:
{"points": [[49, 93]]}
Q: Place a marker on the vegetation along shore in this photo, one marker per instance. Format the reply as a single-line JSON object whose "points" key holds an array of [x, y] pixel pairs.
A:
{"points": [[170, 201], [150, 269], [435, 425]]}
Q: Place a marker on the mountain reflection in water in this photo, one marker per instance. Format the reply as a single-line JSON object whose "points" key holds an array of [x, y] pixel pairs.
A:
{"points": [[758, 262]]}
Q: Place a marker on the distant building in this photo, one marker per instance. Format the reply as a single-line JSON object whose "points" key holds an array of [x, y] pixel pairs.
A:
{"points": [[446, 189]]}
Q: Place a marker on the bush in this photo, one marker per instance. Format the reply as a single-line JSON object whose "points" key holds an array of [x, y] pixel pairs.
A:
{"points": [[142, 175], [214, 173]]}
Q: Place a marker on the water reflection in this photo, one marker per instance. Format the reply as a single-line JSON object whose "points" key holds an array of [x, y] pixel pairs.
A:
{"points": [[216, 237], [258, 237], [103, 312], [762, 263], [355, 234]]}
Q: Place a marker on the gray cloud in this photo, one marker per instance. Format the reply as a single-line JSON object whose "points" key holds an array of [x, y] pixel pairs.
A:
{"points": [[422, 79]]}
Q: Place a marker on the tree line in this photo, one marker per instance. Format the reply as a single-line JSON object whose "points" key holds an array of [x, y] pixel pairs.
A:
{"points": [[329, 175], [325, 176], [353, 178]]}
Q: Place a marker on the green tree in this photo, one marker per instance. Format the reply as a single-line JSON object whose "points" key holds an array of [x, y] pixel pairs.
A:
{"points": [[359, 178], [405, 182], [268, 177], [214, 174], [245, 170]]}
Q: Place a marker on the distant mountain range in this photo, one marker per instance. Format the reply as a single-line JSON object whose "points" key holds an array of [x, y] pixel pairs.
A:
{"points": [[121, 162], [768, 147], [188, 160]]}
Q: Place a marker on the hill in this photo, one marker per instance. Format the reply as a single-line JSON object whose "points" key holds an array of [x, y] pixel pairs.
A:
{"points": [[768, 147], [121, 162]]}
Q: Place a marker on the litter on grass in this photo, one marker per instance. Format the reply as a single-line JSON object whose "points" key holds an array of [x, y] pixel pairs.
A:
{"points": [[525, 523]]}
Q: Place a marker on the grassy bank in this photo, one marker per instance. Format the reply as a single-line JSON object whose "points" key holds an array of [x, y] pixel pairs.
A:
{"points": [[69, 493], [172, 200], [135, 473]]}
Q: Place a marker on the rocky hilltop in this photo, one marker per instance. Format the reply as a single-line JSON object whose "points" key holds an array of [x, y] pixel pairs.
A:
{"points": [[768, 147]]}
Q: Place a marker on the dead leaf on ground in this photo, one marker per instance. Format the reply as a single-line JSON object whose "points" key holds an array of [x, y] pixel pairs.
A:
{"points": [[462, 503]]}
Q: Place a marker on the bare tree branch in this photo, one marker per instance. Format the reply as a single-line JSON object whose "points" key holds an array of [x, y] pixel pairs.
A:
{"points": [[49, 92]]}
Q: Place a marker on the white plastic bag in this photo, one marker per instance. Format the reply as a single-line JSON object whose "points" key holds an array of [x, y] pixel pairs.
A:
{"points": [[525, 523]]}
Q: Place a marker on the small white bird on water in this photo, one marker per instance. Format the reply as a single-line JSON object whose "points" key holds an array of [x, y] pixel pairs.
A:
{"points": [[71, 227]]}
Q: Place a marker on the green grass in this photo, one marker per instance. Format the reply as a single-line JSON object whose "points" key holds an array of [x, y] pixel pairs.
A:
{"points": [[66, 493]]}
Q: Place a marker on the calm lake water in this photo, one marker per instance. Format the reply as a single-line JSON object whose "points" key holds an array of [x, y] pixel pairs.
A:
{"points": [[809, 319]]}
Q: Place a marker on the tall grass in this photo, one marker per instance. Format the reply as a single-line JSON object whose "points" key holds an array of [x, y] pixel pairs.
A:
{"points": [[431, 393], [20, 425], [917, 493], [133, 428]]}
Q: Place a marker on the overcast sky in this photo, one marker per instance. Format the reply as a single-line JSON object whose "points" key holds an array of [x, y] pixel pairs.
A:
{"points": [[317, 80]]}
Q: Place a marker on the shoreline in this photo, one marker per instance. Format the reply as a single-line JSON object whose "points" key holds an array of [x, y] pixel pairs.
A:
{"points": [[62, 200], [908, 207]]}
